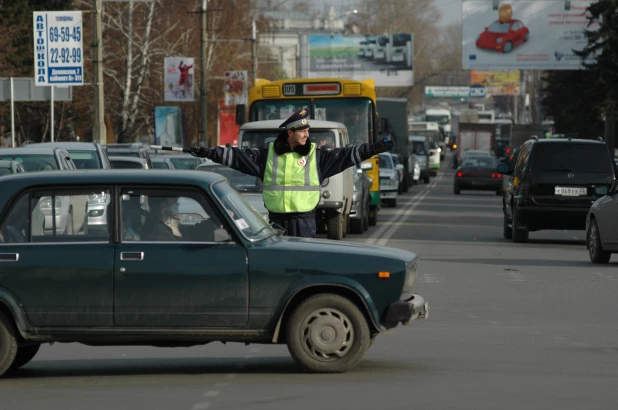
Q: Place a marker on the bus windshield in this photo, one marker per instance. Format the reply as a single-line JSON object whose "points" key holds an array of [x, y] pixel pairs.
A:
{"points": [[355, 113], [440, 119]]}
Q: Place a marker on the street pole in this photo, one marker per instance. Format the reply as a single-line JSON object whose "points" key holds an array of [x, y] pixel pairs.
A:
{"points": [[99, 132], [253, 53], [203, 97]]}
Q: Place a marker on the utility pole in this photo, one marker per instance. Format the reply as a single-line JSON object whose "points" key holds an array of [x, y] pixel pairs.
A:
{"points": [[203, 97], [253, 53], [99, 133]]}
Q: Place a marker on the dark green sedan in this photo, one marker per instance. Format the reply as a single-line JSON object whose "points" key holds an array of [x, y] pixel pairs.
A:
{"points": [[215, 271]]}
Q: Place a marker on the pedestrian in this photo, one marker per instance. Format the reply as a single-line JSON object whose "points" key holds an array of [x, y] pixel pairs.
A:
{"points": [[292, 169]]}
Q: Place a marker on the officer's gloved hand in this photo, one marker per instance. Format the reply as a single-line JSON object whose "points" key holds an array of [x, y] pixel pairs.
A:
{"points": [[384, 145], [201, 152]]}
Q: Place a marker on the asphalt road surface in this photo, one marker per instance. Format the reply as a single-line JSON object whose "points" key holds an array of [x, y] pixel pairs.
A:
{"points": [[512, 326]]}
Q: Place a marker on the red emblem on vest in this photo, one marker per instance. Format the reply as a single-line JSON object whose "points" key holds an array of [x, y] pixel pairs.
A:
{"points": [[302, 162]]}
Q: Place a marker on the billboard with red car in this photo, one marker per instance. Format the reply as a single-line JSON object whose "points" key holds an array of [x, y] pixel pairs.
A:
{"points": [[524, 34]]}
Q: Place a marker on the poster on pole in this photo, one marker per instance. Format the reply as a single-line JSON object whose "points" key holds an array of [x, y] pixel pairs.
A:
{"points": [[168, 126], [497, 82], [524, 34], [179, 79], [235, 87], [58, 48], [386, 58]]}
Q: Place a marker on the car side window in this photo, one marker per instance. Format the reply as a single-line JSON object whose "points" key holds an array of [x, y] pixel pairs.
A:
{"points": [[54, 216], [166, 216]]}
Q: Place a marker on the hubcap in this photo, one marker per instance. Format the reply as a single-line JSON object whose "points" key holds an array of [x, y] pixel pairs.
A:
{"points": [[327, 334], [592, 242]]}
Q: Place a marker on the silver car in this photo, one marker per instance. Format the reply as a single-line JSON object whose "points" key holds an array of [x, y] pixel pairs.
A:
{"points": [[602, 226], [361, 199]]}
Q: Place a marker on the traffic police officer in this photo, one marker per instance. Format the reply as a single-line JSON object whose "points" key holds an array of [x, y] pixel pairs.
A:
{"points": [[292, 169]]}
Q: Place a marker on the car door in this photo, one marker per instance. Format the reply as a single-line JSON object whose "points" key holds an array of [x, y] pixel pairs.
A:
{"points": [[607, 219], [169, 269], [59, 278]]}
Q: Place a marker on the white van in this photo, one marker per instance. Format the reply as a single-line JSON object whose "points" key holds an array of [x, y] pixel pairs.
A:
{"points": [[333, 211]]}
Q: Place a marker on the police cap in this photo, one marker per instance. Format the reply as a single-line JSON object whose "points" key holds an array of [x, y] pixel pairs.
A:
{"points": [[297, 121]]}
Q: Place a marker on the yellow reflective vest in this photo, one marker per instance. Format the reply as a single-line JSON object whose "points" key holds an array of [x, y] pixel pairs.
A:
{"points": [[291, 182]]}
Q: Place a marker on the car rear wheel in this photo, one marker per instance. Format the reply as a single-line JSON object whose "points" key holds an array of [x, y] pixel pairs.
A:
{"points": [[373, 217], [519, 235], [327, 333], [506, 232], [24, 355], [8, 344], [595, 248]]}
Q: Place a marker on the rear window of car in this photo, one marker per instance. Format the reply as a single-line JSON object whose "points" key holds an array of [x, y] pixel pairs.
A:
{"points": [[85, 159], [576, 158], [160, 165], [127, 165], [33, 163]]}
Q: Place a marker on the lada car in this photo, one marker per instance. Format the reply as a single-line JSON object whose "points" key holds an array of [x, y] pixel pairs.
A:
{"points": [[149, 280]]}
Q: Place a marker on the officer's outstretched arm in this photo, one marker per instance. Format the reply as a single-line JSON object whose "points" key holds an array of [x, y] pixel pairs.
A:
{"points": [[246, 160], [332, 162]]}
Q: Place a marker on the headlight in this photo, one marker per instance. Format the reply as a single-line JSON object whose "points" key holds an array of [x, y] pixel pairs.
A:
{"points": [[393, 181], [410, 277], [499, 40], [46, 202]]}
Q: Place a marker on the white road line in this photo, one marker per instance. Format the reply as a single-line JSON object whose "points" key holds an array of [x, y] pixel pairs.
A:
{"points": [[201, 406], [384, 226], [604, 276], [211, 393]]}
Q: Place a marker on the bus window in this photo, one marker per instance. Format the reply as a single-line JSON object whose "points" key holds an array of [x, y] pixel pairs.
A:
{"points": [[355, 113], [276, 109]]}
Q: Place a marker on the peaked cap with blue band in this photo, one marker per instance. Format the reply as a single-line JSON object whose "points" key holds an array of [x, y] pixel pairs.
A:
{"points": [[297, 121]]}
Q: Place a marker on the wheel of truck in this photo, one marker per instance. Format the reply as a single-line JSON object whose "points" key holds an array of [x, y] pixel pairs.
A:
{"points": [[335, 227], [8, 344], [373, 217], [506, 230], [24, 355], [327, 333]]}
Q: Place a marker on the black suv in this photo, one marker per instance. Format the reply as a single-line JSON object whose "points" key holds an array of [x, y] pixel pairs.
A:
{"points": [[551, 185]]}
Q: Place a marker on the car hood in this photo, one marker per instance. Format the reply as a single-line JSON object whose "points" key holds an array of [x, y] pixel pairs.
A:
{"points": [[488, 35], [387, 172]]}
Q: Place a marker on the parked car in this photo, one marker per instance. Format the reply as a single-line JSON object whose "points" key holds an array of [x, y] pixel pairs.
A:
{"points": [[503, 36], [361, 199], [250, 187], [478, 174], [135, 149], [161, 162], [602, 225], [66, 214], [389, 180], [11, 167], [129, 163], [151, 281], [553, 183], [183, 161]]}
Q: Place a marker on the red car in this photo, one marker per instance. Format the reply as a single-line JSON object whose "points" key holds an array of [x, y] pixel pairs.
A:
{"points": [[502, 36]]}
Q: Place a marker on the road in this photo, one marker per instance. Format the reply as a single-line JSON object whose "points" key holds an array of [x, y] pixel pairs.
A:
{"points": [[512, 326]]}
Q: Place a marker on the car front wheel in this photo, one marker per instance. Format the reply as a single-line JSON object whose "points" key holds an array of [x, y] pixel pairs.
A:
{"points": [[327, 333], [595, 248], [8, 344]]}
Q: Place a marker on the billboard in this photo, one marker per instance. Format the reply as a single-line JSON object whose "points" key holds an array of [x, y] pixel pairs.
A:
{"points": [[235, 87], [497, 82], [524, 34], [386, 58], [178, 79], [168, 126]]}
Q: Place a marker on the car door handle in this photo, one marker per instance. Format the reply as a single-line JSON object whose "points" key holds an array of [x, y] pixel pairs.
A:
{"points": [[9, 257], [132, 256]]}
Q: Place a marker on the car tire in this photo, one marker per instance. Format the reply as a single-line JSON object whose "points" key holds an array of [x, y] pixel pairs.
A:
{"points": [[366, 218], [506, 230], [24, 355], [595, 247], [508, 47], [335, 227], [456, 191], [526, 37], [373, 217], [327, 333], [519, 235], [8, 344]]}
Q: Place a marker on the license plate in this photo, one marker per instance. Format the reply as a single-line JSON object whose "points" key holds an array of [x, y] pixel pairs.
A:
{"points": [[570, 191]]}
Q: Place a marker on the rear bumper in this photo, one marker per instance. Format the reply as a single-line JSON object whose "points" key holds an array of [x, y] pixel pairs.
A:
{"points": [[404, 311], [552, 217]]}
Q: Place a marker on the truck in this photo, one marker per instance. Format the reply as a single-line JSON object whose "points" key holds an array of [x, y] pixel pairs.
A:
{"points": [[393, 112], [474, 136]]}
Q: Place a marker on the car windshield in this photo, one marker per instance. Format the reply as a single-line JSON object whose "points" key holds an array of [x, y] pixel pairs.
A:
{"points": [[499, 27], [241, 182], [576, 158], [419, 146], [126, 164], [386, 161], [33, 163], [251, 224], [185, 163], [85, 159]]}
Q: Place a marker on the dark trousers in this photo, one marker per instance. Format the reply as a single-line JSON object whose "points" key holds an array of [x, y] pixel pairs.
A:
{"points": [[301, 224]]}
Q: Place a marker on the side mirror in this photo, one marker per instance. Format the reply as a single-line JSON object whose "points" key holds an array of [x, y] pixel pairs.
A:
{"points": [[399, 166], [503, 169], [222, 235], [366, 166], [601, 190], [240, 114]]}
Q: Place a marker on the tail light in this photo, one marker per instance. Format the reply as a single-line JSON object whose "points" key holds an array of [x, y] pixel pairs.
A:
{"points": [[459, 174], [496, 175], [508, 150], [524, 187]]}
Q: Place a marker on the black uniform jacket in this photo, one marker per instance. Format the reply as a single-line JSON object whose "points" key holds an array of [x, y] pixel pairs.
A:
{"points": [[330, 161]]}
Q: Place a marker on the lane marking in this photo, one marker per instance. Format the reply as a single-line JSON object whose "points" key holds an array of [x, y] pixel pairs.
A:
{"points": [[211, 393], [201, 406]]}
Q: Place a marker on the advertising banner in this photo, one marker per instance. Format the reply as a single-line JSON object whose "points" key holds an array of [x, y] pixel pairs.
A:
{"points": [[497, 82], [228, 129], [178, 79], [524, 34], [235, 87], [58, 49], [437, 91], [386, 58], [168, 126]]}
